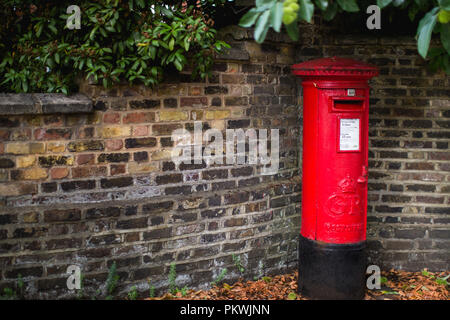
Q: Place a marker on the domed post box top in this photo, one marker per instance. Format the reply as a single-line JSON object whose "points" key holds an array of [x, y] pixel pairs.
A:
{"points": [[335, 68]]}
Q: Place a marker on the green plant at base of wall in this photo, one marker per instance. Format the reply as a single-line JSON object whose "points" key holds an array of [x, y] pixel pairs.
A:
{"points": [[220, 277], [172, 278], [238, 263], [133, 294], [11, 294], [151, 290], [111, 281]]}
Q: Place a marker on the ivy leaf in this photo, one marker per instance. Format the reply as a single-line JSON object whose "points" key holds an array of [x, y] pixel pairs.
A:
{"points": [[276, 16], [306, 10], [322, 4], [92, 34], [383, 3], [445, 36], [262, 26], [444, 4], [152, 51], [249, 18], [53, 28], [292, 30], [168, 13], [348, 5], [39, 28], [186, 44], [263, 5], [331, 11], [398, 3], [426, 26], [178, 65]]}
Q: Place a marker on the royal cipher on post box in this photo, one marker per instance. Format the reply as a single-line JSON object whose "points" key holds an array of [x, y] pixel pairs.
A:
{"points": [[332, 259]]}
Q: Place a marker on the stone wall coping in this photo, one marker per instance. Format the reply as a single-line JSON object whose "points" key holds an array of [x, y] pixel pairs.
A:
{"points": [[43, 103]]}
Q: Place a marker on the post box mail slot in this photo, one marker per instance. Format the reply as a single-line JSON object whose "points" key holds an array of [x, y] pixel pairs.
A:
{"points": [[338, 104], [334, 177]]}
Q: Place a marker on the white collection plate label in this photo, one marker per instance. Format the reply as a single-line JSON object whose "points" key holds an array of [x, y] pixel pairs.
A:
{"points": [[349, 135]]}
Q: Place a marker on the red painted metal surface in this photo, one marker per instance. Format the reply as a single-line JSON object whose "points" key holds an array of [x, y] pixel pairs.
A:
{"points": [[335, 148]]}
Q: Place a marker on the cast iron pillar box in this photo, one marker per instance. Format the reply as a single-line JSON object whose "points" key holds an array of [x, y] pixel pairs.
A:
{"points": [[334, 193]]}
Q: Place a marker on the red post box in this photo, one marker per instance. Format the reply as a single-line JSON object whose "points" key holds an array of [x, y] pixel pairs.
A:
{"points": [[335, 166]]}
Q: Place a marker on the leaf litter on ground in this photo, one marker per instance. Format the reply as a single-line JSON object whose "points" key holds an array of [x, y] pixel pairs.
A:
{"points": [[395, 285]]}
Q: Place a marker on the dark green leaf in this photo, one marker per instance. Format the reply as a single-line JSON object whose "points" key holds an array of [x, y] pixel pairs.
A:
{"points": [[178, 65], [292, 31], [92, 34], [348, 5], [398, 3], [264, 4], [168, 13], [276, 16], [262, 26], [424, 31], [445, 36], [40, 27], [53, 28], [306, 11], [444, 4], [322, 4], [331, 11], [383, 3], [249, 18]]}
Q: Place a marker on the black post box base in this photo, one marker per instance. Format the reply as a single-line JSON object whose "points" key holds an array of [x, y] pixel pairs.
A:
{"points": [[331, 271]]}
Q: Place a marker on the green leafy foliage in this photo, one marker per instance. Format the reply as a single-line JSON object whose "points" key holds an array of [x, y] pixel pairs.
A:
{"points": [[80, 292], [133, 40], [173, 289], [292, 296], [14, 294], [8, 294], [438, 280], [435, 18], [220, 277], [151, 290], [443, 281], [133, 294], [348, 5], [172, 278], [426, 26], [111, 281], [238, 263]]}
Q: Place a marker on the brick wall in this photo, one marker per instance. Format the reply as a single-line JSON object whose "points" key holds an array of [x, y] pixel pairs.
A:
{"points": [[96, 188]]}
